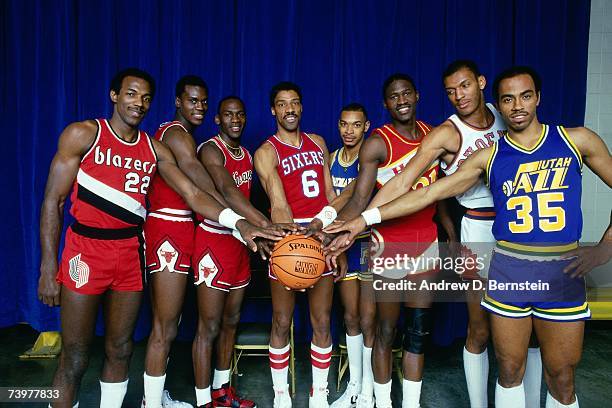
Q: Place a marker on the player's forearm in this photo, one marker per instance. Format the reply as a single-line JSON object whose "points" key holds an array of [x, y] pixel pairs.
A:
{"points": [[407, 204], [51, 222], [393, 189], [340, 201], [281, 214], [199, 176], [238, 202], [355, 205], [204, 204]]}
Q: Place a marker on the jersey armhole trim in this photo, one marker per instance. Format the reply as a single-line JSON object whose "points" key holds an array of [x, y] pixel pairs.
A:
{"points": [[389, 147], [150, 142], [452, 163], [570, 143], [276, 151], [490, 164], [95, 142], [216, 143]]}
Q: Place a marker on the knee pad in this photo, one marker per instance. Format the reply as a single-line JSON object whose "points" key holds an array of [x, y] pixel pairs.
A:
{"points": [[416, 330]]}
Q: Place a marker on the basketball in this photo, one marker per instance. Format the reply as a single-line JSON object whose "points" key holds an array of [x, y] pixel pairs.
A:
{"points": [[297, 262]]}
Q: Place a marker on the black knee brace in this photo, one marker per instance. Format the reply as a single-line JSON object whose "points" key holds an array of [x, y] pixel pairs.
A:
{"points": [[416, 329]]}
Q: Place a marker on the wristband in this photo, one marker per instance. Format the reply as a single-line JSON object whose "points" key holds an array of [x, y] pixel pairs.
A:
{"points": [[372, 216], [236, 234], [327, 215], [228, 218]]}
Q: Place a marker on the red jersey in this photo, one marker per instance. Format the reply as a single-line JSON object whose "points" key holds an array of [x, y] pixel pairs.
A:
{"points": [[114, 175], [399, 153], [162, 198], [240, 167], [301, 171]]}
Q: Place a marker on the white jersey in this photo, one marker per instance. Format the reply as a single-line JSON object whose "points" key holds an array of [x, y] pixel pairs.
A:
{"points": [[472, 140]]}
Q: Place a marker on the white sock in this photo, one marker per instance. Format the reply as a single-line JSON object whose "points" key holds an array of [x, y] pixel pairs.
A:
{"points": [[320, 359], [367, 378], [112, 394], [279, 366], [354, 347], [533, 378], [153, 390], [551, 402], [509, 397], [476, 368], [382, 393], [411, 393], [202, 396], [221, 377]]}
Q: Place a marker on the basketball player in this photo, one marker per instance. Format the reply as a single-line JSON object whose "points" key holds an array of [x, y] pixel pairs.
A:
{"points": [[474, 126], [352, 125], [386, 153], [109, 165], [293, 168], [534, 175], [221, 262], [169, 231]]}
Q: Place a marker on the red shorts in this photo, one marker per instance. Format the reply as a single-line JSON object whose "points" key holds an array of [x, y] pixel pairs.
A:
{"points": [[219, 260], [169, 243], [92, 266]]}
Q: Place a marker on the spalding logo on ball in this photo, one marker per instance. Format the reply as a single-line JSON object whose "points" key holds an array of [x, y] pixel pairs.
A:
{"points": [[297, 262]]}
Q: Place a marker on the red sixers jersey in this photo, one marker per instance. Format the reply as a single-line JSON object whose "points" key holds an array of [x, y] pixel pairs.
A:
{"points": [[113, 179], [399, 153], [240, 167], [301, 171], [161, 195]]}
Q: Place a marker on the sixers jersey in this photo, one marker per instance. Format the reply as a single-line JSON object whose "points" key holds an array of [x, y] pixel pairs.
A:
{"points": [[161, 195], [537, 191], [113, 179], [301, 170], [399, 153], [472, 140], [240, 167]]}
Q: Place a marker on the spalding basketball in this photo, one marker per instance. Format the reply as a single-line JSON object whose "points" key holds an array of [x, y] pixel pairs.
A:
{"points": [[297, 262]]}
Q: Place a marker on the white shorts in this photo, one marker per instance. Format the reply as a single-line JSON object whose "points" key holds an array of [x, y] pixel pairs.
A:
{"points": [[477, 237]]}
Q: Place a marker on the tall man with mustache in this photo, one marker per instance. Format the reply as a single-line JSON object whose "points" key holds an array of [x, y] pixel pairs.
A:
{"points": [[294, 170]]}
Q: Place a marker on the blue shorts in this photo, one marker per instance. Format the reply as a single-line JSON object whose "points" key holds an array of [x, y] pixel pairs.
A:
{"points": [[357, 258], [534, 286]]}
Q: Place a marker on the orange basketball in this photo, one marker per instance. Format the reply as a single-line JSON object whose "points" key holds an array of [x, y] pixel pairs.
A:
{"points": [[297, 262]]}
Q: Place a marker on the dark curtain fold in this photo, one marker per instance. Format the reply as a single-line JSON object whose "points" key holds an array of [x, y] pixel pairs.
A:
{"points": [[58, 58]]}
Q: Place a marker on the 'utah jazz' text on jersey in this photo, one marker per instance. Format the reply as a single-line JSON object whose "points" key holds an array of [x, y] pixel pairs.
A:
{"points": [[537, 191]]}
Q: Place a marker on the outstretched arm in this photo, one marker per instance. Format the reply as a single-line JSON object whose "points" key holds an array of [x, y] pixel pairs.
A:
{"points": [[212, 158], [183, 147], [440, 142], [74, 141], [203, 203], [265, 164]]}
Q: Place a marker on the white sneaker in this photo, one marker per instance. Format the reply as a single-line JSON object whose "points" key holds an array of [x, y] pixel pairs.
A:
{"points": [[168, 402], [349, 398], [282, 398], [365, 401], [318, 396]]}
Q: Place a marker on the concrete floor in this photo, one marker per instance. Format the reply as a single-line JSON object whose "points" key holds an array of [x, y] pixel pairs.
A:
{"points": [[443, 386]]}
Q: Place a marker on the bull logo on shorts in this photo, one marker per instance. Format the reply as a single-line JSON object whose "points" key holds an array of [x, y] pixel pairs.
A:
{"points": [[207, 270], [167, 256], [78, 271]]}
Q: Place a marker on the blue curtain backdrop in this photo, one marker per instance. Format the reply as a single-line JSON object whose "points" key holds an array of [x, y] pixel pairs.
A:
{"points": [[58, 58]]}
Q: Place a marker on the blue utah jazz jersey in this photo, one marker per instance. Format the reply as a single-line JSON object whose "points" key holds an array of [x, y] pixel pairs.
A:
{"points": [[537, 191], [342, 174]]}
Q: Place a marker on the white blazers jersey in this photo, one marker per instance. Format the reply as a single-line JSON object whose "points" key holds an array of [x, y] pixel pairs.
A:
{"points": [[472, 140]]}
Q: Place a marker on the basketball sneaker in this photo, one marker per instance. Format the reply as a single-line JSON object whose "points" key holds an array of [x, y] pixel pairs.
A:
{"points": [[365, 401], [349, 398], [226, 397], [168, 402], [318, 396], [282, 399]]}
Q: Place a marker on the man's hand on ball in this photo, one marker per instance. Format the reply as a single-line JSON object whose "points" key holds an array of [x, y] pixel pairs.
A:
{"points": [[249, 232], [354, 227]]}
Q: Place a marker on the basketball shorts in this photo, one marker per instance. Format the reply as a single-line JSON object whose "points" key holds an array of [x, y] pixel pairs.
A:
{"points": [[404, 253], [357, 258], [95, 260], [476, 235], [303, 222], [219, 260], [522, 286], [169, 242]]}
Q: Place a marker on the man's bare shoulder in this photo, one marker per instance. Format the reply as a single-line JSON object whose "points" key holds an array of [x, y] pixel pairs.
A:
{"points": [[78, 136], [265, 152], [319, 140]]}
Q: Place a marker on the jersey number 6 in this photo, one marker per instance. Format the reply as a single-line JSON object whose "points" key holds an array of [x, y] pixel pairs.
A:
{"points": [[310, 185]]}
